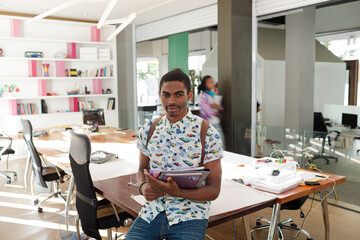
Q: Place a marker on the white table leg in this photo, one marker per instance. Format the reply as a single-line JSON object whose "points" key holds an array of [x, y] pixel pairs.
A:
{"points": [[68, 199], [325, 212], [274, 221]]}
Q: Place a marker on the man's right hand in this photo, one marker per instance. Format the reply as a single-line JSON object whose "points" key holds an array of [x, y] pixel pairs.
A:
{"points": [[150, 193]]}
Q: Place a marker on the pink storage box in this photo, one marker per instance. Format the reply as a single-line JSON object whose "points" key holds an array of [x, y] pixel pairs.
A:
{"points": [[42, 90], [97, 86], [95, 34], [71, 50], [73, 104]]}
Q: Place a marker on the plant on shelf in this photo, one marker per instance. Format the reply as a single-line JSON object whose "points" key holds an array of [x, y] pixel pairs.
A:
{"points": [[8, 90]]}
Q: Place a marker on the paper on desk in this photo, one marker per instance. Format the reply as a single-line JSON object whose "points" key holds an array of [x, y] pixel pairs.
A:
{"points": [[139, 199], [306, 175]]}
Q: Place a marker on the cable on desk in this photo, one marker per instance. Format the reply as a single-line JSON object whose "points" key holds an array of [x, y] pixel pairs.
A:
{"points": [[309, 213]]}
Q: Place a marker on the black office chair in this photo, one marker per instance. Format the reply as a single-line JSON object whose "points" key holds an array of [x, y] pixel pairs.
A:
{"points": [[6, 150], [293, 205], [42, 173], [94, 214], [320, 131]]}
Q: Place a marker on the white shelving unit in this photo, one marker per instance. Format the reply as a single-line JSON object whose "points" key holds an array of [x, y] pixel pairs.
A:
{"points": [[51, 37]]}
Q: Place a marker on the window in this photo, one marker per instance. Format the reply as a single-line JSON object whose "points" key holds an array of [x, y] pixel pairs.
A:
{"points": [[147, 74]]}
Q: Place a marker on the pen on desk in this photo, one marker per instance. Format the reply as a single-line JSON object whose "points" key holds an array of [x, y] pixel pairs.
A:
{"points": [[320, 176]]}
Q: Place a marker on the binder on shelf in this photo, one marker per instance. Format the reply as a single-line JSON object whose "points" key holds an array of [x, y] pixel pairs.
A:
{"points": [[95, 34], [13, 107], [43, 106], [73, 104], [71, 50], [42, 89], [14, 25], [97, 86], [32, 68], [111, 104], [60, 68]]}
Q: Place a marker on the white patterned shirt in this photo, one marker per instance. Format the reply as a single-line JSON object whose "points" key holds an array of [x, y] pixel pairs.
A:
{"points": [[175, 146]]}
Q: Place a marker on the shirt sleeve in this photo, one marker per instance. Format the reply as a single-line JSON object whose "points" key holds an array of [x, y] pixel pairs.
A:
{"points": [[213, 145], [142, 135]]}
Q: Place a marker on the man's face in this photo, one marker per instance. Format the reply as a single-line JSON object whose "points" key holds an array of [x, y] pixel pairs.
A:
{"points": [[174, 98]]}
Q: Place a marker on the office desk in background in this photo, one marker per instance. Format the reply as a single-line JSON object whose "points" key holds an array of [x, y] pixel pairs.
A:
{"points": [[111, 181]]}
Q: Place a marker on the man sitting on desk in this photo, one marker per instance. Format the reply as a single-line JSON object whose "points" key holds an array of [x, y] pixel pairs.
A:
{"points": [[171, 212]]}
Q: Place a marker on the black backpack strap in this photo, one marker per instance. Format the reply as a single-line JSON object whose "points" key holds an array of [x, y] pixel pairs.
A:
{"points": [[151, 130], [204, 128]]}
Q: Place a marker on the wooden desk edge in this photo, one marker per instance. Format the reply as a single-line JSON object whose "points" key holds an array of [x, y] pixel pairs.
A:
{"points": [[224, 217]]}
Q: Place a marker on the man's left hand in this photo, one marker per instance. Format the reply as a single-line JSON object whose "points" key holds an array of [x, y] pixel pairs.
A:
{"points": [[170, 187]]}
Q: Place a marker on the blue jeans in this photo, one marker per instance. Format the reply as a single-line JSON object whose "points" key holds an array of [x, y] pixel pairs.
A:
{"points": [[159, 229]]}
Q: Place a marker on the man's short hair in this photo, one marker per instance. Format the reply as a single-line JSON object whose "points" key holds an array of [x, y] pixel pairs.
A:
{"points": [[176, 75]]}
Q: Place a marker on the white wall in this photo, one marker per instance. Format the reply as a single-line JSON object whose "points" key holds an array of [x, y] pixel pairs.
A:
{"points": [[273, 105], [210, 66], [328, 86]]}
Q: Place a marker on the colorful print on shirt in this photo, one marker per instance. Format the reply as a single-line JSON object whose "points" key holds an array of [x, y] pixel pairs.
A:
{"points": [[175, 146]]}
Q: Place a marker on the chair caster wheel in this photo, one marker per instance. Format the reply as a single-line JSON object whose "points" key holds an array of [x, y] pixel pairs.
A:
{"points": [[8, 181], [36, 201], [40, 210], [309, 239], [15, 175], [258, 223]]}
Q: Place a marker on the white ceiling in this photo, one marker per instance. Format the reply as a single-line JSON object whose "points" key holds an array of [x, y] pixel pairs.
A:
{"points": [[92, 11]]}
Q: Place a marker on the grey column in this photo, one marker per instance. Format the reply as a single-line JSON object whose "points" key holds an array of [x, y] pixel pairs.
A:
{"points": [[299, 73], [234, 70], [126, 66]]}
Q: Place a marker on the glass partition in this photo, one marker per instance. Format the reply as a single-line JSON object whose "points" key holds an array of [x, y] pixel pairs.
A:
{"points": [[336, 153]]}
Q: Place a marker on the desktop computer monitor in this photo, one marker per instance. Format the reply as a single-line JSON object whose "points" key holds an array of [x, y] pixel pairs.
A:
{"points": [[93, 115], [349, 120]]}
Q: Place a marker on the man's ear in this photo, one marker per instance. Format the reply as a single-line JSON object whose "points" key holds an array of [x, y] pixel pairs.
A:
{"points": [[190, 95]]}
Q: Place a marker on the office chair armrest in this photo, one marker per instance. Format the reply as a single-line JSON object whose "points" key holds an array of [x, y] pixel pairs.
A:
{"points": [[57, 171]]}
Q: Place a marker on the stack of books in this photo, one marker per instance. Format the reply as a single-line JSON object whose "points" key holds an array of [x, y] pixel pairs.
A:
{"points": [[26, 108], [86, 104], [102, 72]]}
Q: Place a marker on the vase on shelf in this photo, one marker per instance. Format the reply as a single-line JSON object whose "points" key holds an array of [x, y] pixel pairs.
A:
{"points": [[46, 69]]}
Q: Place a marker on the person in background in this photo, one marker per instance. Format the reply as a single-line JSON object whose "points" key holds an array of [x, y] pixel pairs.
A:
{"points": [[210, 108]]}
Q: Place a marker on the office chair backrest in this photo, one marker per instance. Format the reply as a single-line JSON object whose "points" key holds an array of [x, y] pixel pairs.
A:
{"points": [[86, 203], [36, 161], [319, 123]]}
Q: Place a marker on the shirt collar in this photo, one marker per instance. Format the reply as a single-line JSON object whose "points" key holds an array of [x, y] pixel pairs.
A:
{"points": [[185, 120]]}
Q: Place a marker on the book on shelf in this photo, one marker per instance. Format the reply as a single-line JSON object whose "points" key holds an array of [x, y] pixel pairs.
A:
{"points": [[26, 108], [111, 104], [107, 71], [86, 104]]}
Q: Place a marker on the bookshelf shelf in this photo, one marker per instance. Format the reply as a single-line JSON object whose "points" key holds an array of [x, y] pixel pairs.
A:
{"points": [[24, 39], [60, 96], [54, 59]]}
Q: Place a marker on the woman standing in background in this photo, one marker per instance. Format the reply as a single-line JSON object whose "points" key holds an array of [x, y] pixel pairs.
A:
{"points": [[210, 104]]}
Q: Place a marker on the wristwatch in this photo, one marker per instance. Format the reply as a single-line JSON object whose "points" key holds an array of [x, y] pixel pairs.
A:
{"points": [[141, 184]]}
